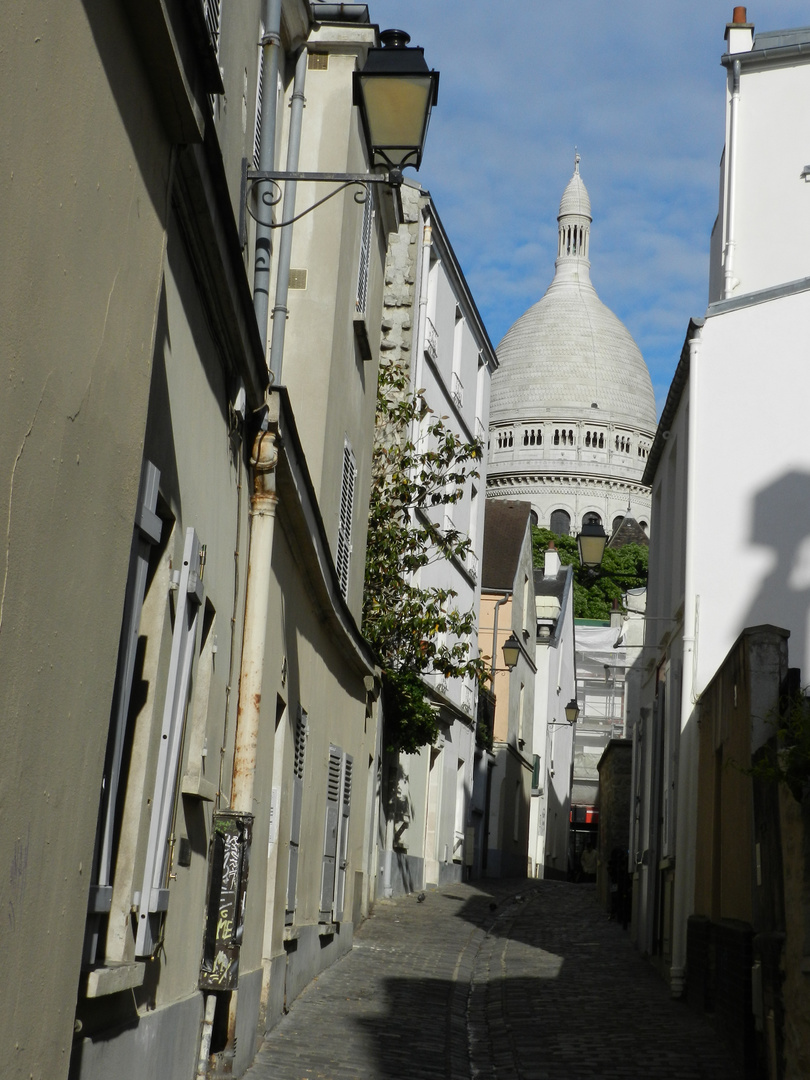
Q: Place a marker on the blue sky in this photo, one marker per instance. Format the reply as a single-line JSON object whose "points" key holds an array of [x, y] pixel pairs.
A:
{"points": [[637, 86]]}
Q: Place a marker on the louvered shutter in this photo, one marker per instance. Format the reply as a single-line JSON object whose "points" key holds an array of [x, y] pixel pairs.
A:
{"points": [[344, 544], [257, 128], [330, 835], [365, 252], [299, 755], [153, 898], [343, 836], [147, 532]]}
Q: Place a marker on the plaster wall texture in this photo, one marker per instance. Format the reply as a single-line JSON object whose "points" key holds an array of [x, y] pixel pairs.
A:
{"points": [[76, 344], [768, 173], [762, 577]]}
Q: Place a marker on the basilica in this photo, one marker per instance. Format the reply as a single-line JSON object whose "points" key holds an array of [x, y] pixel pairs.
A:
{"points": [[572, 414]]}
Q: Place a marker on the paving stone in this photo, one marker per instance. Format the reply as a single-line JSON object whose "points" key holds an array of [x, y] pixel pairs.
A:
{"points": [[544, 988]]}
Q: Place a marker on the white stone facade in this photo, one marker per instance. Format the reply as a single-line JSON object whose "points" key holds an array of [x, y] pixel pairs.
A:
{"points": [[573, 412]]}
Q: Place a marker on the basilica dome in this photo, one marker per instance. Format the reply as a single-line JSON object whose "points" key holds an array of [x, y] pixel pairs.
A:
{"points": [[569, 355], [572, 410]]}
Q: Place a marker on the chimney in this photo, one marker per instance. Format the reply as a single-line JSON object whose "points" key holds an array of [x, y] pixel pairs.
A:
{"points": [[739, 32], [551, 563]]}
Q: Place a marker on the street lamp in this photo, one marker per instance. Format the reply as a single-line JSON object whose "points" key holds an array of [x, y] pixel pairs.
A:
{"points": [[511, 651], [571, 714], [394, 94], [572, 711], [591, 544]]}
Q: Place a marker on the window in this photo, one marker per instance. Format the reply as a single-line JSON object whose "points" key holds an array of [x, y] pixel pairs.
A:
{"points": [[591, 518], [560, 523], [344, 542], [617, 522]]}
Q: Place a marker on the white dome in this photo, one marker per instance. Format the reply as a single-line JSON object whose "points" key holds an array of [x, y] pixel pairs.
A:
{"points": [[572, 410], [569, 356]]}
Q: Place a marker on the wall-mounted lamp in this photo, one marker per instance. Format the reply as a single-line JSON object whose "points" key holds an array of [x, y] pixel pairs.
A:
{"points": [[394, 94], [571, 714], [511, 651]]}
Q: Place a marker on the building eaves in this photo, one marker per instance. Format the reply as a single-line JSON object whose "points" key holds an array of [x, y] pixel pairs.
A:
{"points": [[774, 46], [760, 296], [676, 388]]}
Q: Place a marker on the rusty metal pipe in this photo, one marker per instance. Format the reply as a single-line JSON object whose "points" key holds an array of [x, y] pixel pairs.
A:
{"points": [[262, 522]]}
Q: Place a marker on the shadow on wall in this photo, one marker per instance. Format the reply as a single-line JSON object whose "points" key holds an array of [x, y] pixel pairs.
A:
{"points": [[781, 521]]}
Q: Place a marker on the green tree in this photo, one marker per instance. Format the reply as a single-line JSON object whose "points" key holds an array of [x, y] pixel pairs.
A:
{"points": [[412, 629], [594, 591]]}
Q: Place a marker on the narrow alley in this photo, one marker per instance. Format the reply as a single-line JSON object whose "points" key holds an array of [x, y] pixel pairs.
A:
{"points": [[521, 980]]}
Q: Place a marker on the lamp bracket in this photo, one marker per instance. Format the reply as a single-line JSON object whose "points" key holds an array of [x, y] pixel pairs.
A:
{"points": [[272, 196]]}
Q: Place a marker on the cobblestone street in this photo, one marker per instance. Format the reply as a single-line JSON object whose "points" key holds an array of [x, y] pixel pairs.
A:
{"points": [[520, 980]]}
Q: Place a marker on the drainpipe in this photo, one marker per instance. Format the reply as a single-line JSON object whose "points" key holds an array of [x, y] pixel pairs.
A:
{"points": [[729, 282], [262, 521], [686, 809], [271, 46], [280, 310], [506, 596]]}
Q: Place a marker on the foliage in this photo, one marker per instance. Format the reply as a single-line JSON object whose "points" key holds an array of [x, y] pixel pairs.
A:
{"points": [[594, 591], [414, 629], [786, 759]]}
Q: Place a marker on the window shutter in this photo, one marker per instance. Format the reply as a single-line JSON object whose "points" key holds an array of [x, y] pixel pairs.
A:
{"points": [[344, 545], [343, 837], [299, 755], [365, 251], [257, 129], [330, 836], [147, 532], [153, 898]]}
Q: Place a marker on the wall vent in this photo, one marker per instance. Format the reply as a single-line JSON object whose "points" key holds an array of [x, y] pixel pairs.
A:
{"points": [[317, 61], [298, 279]]}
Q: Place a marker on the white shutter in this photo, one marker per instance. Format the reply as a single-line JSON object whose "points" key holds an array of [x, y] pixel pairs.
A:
{"points": [[344, 543], [330, 832], [299, 755], [343, 836], [153, 898]]}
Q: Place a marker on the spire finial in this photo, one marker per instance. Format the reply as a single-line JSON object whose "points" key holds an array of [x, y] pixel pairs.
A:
{"points": [[576, 160]]}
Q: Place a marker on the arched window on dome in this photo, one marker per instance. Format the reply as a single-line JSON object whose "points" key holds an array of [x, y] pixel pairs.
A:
{"points": [[616, 523], [644, 525], [556, 436], [570, 438], [591, 518], [533, 518], [560, 523], [601, 440], [587, 438]]}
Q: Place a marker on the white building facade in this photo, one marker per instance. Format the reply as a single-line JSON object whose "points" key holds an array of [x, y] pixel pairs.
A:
{"points": [[731, 452], [431, 324], [573, 411]]}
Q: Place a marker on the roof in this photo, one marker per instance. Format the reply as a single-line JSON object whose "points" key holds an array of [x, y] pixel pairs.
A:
{"points": [[676, 389], [629, 532], [505, 525], [781, 39]]}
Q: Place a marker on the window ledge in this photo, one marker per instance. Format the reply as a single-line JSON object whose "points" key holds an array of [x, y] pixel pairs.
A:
{"points": [[198, 788], [113, 978], [327, 929]]}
